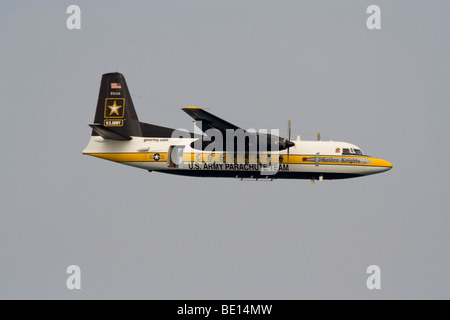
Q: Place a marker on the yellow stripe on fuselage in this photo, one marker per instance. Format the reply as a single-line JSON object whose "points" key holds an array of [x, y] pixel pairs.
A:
{"points": [[130, 157], [207, 157]]}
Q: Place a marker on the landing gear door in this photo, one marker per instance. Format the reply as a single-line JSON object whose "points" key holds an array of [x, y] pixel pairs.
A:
{"points": [[175, 157]]}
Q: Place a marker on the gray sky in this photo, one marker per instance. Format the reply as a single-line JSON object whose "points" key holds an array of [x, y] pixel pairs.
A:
{"points": [[254, 63]]}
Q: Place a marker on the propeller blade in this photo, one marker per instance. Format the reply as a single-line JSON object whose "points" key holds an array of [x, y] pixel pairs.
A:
{"points": [[289, 130], [289, 137]]}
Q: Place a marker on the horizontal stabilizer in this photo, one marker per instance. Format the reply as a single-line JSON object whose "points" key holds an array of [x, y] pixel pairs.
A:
{"points": [[108, 133]]}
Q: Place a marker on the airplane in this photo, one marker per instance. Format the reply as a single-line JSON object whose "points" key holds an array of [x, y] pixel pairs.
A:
{"points": [[221, 150]]}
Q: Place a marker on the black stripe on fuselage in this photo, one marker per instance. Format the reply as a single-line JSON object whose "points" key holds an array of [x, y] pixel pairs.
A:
{"points": [[258, 174]]}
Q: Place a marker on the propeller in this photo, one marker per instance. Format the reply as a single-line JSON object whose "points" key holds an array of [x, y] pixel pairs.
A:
{"points": [[282, 143], [287, 143]]}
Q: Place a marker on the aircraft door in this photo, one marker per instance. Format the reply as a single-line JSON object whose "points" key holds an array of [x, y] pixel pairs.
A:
{"points": [[175, 157]]}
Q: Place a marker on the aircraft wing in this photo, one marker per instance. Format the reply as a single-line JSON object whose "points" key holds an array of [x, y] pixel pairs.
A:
{"points": [[209, 121]]}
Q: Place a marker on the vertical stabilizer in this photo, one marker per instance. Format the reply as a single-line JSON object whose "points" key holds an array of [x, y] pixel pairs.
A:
{"points": [[115, 109]]}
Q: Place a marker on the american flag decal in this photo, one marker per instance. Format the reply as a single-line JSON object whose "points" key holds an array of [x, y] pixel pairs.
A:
{"points": [[115, 85]]}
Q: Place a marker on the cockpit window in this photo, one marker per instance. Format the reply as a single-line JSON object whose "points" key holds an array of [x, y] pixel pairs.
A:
{"points": [[348, 151]]}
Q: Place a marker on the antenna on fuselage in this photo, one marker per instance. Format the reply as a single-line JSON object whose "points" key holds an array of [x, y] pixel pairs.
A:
{"points": [[318, 136]]}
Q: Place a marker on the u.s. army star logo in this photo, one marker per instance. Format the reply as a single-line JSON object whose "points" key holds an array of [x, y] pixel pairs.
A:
{"points": [[114, 107], [156, 156]]}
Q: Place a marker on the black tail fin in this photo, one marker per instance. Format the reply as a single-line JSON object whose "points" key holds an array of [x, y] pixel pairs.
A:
{"points": [[115, 117]]}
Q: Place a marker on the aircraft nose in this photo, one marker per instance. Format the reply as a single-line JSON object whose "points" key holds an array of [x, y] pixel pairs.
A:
{"points": [[386, 165]]}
